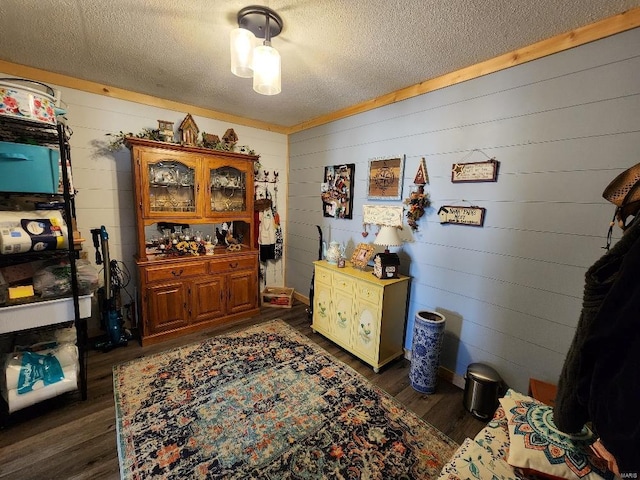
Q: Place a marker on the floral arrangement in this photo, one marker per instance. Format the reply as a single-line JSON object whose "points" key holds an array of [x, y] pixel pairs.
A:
{"points": [[117, 141], [417, 202], [184, 247]]}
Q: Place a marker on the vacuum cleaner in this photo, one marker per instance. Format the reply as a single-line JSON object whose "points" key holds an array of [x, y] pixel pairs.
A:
{"points": [[111, 319]]}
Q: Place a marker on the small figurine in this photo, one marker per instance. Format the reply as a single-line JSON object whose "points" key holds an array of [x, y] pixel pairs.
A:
{"points": [[229, 238], [220, 236]]}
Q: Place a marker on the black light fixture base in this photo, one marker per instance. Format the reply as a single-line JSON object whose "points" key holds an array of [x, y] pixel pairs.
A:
{"points": [[254, 18]]}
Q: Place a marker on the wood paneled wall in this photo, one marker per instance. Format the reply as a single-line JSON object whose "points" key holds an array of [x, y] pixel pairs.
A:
{"points": [[562, 127]]}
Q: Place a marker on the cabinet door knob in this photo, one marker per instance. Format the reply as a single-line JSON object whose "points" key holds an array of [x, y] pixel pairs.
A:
{"points": [[233, 264], [177, 273]]}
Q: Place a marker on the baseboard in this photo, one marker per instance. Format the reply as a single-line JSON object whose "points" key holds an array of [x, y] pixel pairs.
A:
{"points": [[300, 297], [443, 373]]}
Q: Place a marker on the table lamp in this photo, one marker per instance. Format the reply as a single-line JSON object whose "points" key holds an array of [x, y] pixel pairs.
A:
{"points": [[386, 265]]}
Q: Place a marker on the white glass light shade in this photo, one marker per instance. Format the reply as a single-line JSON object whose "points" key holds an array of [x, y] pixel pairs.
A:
{"points": [[242, 45], [388, 236], [266, 70]]}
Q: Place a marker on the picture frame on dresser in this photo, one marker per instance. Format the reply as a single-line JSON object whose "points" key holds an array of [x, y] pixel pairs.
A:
{"points": [[361, 255]]}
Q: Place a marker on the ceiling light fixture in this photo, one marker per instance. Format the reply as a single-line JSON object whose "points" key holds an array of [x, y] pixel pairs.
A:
{"points": [[248, 58]]}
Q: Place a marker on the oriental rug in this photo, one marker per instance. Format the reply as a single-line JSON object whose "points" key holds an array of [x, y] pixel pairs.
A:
{"points": [[265, 402]]}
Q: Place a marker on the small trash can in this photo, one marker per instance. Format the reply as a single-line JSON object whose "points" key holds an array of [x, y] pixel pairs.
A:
{"points": [[483, 386], [428, 333]]}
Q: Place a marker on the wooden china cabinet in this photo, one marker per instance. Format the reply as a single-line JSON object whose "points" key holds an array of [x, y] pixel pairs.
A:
{"points": [[205, 193]]}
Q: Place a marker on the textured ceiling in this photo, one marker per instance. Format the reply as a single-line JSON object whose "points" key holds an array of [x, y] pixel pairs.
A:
{"points": [[334, 53]]}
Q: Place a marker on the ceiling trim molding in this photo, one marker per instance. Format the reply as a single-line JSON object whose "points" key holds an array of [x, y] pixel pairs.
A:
{"points": [[559, 43], [121, 94]]}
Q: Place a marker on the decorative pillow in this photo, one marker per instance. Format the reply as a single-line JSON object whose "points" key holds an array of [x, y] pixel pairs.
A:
{"points": [[473, 461], [537, 444], [495, 436]]}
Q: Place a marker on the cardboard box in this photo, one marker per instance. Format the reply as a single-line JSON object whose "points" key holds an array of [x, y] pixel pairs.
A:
{"points": [[279, 297]]}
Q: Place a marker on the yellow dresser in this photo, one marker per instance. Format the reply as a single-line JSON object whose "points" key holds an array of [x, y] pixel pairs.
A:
{"points": [[363, 314]]}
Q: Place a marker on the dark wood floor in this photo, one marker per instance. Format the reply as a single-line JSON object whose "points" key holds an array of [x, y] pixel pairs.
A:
{"points": [[67, 438]]}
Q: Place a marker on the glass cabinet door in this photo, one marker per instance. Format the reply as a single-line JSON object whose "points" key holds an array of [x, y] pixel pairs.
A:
{"points": [[172, 188], [228, 189]]}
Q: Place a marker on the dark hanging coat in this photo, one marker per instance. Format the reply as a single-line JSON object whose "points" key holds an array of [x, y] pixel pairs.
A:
{"points": [[600, 380]]}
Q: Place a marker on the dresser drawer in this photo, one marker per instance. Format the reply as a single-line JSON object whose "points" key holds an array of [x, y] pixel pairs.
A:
{"points": [[175, 271], [369, 293], [323, 275], [232, 264], [343, 283]]}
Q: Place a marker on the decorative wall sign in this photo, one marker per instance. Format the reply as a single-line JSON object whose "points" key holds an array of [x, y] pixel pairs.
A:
{"points": [[475, 172], [390, 215], [384, 181], [337, 191], [460, 215]]}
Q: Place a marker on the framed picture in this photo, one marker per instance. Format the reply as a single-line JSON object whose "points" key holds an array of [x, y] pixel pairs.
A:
{"points": [[337, 191], [361, 255], [384, 181]]}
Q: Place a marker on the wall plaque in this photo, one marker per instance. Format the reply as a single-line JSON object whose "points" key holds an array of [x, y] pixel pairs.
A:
{"points": [[475, 172], [473, 216], [384, 181], [390, 215]]}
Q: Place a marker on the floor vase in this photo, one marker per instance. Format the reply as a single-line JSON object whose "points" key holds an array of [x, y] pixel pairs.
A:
{"points": [[428, 333]]}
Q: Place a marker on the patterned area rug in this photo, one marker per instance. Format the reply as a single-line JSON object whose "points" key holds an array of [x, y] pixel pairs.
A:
{"points": [[265, 402]]}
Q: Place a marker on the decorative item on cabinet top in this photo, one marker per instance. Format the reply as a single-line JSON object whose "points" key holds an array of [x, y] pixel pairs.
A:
{"points": [[164, 133]]}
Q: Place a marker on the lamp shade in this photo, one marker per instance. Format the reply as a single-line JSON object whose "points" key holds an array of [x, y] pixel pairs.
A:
{"points": [[242, 45], [388, 236], [266, 70]]}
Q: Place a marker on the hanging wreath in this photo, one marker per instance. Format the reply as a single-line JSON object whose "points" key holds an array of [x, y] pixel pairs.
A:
{"points": [[417, 202]]}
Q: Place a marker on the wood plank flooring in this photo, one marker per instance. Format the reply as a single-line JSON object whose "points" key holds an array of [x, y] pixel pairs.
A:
{"points": [[67, 438]]}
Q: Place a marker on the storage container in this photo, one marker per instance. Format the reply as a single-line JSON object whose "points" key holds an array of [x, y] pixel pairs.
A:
{"points": [[38, 314], [26, 102], [28, 168], [483, 387], [280, 297]]}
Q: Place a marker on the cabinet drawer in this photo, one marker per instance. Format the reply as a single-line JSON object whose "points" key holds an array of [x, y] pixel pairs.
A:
{"points": [[175, 271], [232, 264], [323, 276], [369, 293], [343, 283]]}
